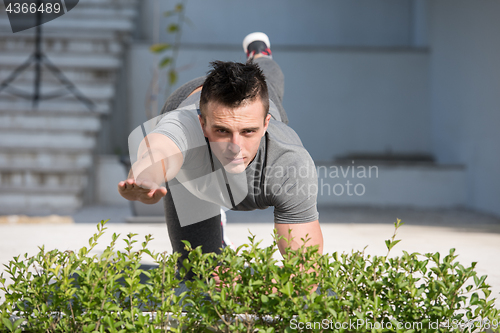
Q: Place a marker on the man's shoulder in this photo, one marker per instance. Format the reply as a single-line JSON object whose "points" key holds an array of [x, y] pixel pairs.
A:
{"points": [[282, 132], [183, 127], [285, 150], [186, 116], [282, 137]]}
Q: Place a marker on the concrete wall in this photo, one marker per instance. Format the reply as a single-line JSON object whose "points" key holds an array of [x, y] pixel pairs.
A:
{"points": [[426, 186], [353, 85], [292, 22], [360, 78], [338, 101], [465, 83], [357, 101]]}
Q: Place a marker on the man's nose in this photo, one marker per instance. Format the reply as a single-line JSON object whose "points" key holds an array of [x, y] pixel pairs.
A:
{"points": [[234, 145]]}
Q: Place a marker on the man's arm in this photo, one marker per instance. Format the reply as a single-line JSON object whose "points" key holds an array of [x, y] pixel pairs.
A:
{"points": [[293, 233], [158, 160]]}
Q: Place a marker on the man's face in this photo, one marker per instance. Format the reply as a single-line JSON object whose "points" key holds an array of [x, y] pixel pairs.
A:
{"points": [[235, 133]]}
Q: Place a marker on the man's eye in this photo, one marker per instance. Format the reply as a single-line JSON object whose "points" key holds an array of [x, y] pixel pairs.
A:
{"points": [[221, 131]]}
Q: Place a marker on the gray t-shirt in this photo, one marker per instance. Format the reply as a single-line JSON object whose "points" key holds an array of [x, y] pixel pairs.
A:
{"points": [[282, 174]]}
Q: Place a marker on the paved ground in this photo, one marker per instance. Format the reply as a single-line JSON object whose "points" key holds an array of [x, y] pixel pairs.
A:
{"points": [[476, 237]]}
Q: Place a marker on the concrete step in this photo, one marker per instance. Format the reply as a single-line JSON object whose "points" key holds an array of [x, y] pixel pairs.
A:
{"points": [[66, 27], [75, 35], [101, 4], [95, 11], [76, 75], [111, 10], [84, 20], [72, 106], [91, 91], [426, 186], [44, 139], [18, 165], [48, 106], [68, 190], [44, 161], [77, 61], [34, 203], [39, 122], [22, 180], [107, 3], [67, 43]]}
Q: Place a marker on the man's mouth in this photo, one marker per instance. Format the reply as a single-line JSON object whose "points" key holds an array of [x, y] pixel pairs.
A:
{"points": [[232, 160]]}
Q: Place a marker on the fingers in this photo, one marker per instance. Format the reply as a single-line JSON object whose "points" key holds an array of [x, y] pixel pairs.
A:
{"points": [[142, 190], [131, 184], [123, 185], [162, 191], [126, 182], [158, 193]]}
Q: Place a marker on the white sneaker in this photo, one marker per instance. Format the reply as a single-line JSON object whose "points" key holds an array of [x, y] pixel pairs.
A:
{"points": [[257, 43]]}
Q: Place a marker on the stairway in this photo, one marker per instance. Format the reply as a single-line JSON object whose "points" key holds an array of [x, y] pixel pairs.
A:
{"points": [[46, 153]]}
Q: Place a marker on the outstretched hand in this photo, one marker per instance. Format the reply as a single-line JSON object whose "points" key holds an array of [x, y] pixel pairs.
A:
{"points": [[144, 191]]}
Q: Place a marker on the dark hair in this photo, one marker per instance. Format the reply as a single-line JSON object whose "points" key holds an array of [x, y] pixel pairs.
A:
{"points": [[233, 84]]}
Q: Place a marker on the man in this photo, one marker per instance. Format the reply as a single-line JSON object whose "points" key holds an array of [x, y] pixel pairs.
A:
{"points": [[223, 142]]}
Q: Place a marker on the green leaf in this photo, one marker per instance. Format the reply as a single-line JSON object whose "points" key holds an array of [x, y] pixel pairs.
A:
{"points": [[482, 279], [165, 62], [7, 323], [173, 28], [287, 289], [264, 298], [172, 77], [394, 243], [17, 323], [160, 47], [474, 299]]}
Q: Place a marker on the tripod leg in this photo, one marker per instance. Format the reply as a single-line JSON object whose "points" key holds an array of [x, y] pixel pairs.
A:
{"points": [[69, 85], [16, 72]]}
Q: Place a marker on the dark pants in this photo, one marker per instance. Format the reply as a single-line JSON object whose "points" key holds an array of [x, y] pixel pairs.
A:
{"points": [[208, 233]]}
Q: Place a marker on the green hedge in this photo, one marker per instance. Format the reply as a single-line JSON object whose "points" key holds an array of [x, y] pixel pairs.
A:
{"points": [[56, 291]]}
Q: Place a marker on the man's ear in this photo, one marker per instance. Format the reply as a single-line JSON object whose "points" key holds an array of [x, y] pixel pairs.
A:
{"points": [[202, 123], [266, 123]]}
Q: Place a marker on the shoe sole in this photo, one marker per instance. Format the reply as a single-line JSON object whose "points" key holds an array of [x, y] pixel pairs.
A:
{"points": [[255, 36]]}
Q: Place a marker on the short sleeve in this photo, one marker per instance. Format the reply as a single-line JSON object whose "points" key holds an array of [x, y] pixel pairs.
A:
{"points": [[294, 189], [183, 128]]}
